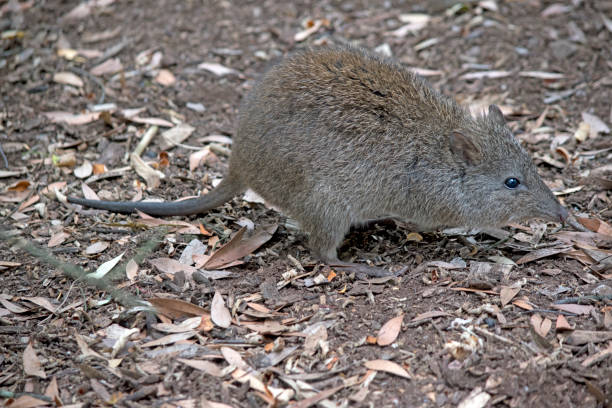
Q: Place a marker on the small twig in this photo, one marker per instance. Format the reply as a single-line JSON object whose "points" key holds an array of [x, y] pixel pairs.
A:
{"points": [[145, 140], [3, 157], [579, 299], [11, 394]]}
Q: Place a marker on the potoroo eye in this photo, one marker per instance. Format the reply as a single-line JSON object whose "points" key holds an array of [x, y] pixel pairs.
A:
{"points": [[512, 183]]}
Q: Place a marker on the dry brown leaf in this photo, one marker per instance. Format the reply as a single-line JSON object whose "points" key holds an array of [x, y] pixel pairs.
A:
{"points": [[12, 307], [596, 225], [542, 253], [68, 78], [388, 367], [555, 9], [219, 313], [312, 401], [19, 186], [101, 36], [186, 325], [151, 121], [238, 247], [25, 401], [108, 67], [99, 168], [151, 176], [171, 266], [204, 403], [31, 363], [175, 135], [506, 294], [84, 170], [596, 125], [430, 315], [580, 337], [541, 75], [52, 390], [57, 239], [266, 327], [562, 324], [97, 247], [599, 356], [170, 339], [203, 365], [485, 74], [175, 308], [33, 199], [258, 307], [573, 308], [42, 302], [304, 34], [522, 304], [234, 358], [165, 77], [390, 330], [197, 158], [72, 119], [84, 9], [540, 325], [131, 270], [84, 347]]}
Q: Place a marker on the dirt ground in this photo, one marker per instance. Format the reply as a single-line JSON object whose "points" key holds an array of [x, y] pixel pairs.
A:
{"points": [[513, 318]]}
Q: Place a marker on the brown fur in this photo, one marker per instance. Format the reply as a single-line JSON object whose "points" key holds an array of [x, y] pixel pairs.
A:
{"points": [[337, 136]]}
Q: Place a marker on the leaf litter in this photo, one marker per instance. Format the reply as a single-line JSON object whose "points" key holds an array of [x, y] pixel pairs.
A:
{"points": [[282, 338]]}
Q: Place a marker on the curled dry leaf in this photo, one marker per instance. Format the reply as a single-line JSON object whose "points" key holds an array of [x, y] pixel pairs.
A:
{"points": [[151, 176], [304, 34], [68, 78], [582, 132], [596, 125], [219, 313], [84, 170], [196, 158], [388, 367], [390, 330]]}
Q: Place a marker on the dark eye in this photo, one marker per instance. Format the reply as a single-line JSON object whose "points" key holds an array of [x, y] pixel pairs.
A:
{"points": [[512, 183]]}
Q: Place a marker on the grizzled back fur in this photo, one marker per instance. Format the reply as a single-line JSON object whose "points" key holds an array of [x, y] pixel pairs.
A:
{"points": [[337, 136]]}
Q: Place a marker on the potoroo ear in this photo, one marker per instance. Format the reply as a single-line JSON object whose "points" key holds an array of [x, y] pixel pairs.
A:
{"points": [[464, 149], [496, 115]]}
